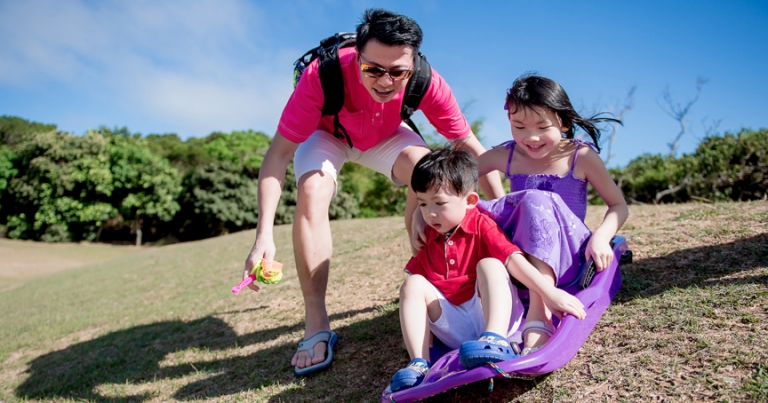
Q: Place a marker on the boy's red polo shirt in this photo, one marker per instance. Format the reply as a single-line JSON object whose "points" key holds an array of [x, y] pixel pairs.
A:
{"points": [[451, 264]]}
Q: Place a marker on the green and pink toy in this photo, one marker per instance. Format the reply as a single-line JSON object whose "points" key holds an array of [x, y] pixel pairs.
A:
{"points": [[264, 272]]}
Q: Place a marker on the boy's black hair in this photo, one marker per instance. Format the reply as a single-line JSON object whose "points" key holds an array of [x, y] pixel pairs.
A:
{"points": [[388, 28], [529, 91], [445, 168]]}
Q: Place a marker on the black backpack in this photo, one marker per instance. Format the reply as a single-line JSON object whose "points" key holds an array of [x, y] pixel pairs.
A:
{"points": [[332, 80]]}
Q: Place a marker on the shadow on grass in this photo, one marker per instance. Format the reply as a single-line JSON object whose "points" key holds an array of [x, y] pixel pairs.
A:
{"points": [[84, 371], [703, 266], [367, 355]]}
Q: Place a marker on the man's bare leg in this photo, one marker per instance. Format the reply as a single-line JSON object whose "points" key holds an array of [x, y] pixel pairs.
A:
{"points": [[313, 248]]}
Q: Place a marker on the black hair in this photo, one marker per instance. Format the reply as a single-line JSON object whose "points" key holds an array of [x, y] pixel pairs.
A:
{"points": [[445, 167], [529, 91], [388, 28]]}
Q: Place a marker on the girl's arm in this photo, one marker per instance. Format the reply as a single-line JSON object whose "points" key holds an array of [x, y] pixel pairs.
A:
{"points": [[599, 248], [556, 299]]}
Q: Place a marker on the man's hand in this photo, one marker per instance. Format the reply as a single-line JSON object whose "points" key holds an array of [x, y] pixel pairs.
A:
{"points": [[264, 247], [418, 231]]}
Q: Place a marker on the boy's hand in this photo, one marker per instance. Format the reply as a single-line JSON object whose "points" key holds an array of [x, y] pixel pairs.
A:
{"points": [[263, 248], [600, 251], [560, 303]]}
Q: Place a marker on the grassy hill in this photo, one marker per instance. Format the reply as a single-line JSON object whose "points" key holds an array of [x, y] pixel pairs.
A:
{"points": [[160, 324]]}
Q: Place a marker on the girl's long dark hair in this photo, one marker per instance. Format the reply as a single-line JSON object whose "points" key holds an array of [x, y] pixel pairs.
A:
{"points": [[529, 91]]}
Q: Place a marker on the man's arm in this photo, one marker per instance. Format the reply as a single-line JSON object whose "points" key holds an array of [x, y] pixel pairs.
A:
{"points": [[271, 178], [490, 184]]}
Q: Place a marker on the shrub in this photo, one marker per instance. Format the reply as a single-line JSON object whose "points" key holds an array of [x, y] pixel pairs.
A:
{"points": [[70, 186]]}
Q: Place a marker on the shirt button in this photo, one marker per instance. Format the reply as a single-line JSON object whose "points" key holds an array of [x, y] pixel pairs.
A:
{"points": [[451, 261], [378, 114], [450, 242]]}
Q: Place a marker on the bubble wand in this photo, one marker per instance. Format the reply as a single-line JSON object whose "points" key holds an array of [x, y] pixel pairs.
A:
{"points": [[265, 272]]}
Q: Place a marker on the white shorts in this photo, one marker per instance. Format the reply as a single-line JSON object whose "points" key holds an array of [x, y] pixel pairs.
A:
{"points": [[323, 152], [460, 323]]}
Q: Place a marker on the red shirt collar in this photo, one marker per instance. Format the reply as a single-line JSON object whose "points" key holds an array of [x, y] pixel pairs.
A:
{"points": [[468, 225]]}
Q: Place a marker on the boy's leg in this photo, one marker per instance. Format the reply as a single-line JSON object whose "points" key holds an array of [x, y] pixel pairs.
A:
{"points": [[495, 293], [418, 305], [537, 310], [495, 296]]}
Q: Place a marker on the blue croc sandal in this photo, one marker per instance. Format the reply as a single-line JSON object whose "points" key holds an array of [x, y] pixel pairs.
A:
{"points": [[491, 347], [410, 376], [308, 345]]}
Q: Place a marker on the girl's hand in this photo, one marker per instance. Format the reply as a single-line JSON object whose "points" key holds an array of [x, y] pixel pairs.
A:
{"points": [[264, 247], [560, 303], [600, 252]]}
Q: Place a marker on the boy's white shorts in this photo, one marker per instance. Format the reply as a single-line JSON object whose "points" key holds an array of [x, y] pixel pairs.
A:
{"points": [[465, 322]]}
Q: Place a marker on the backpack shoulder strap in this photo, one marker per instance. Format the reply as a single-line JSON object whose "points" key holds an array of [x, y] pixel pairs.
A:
{"points": [[331, 78], [417, 86]]}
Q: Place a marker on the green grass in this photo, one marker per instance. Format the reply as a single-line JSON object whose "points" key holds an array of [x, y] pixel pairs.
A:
{"points": [[689, 323]]}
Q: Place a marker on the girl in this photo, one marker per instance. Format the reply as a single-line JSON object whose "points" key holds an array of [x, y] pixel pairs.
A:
{"points": [[549, 171]]}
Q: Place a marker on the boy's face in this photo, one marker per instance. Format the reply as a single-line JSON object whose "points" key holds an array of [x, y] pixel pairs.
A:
{"points": [[443, 209]]}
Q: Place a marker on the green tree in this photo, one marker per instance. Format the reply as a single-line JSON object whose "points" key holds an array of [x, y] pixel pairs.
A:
{"points": [[220, 196], [185, 156], [245, 148], [731, 167], [14, 129], [71, 185]]}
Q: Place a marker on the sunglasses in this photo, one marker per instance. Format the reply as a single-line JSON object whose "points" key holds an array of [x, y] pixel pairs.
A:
{"points": [[377, 72]]}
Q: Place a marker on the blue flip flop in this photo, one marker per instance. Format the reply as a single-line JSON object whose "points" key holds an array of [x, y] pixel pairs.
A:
{"points": [[308, 345], [490, 347]]}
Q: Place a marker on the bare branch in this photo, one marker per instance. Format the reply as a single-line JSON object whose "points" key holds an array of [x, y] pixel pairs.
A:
{"points": [[679, 112], [629, 102], [710, 129]]}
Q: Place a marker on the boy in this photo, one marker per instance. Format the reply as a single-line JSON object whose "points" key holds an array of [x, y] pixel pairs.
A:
{"points": [[459, 288]]}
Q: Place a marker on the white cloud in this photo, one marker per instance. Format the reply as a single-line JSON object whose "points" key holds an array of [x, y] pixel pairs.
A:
{"points": [[196, 66]]}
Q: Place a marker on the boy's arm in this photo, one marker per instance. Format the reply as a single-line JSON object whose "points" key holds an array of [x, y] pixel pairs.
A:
{"points": [[556, 299]]}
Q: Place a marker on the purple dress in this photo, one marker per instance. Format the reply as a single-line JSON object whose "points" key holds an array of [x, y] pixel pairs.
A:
{"points": [[544, 216]]}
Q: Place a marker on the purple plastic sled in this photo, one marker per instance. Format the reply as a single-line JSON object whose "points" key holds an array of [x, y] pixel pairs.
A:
{"points": [[595, 293]]}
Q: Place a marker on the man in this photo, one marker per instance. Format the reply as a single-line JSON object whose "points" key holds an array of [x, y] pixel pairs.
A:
{"points": [[375, 73]]}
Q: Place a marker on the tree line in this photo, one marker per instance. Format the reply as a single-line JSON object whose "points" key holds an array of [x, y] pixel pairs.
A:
{"points": [[111, 185]]}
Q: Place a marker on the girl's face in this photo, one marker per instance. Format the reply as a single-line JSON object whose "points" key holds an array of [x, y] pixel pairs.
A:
{"points": [[443, 209], [538, 130]]}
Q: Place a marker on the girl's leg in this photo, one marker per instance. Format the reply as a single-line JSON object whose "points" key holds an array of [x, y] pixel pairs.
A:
{"points": [[537, 310], [496, 299], [417, 303]]}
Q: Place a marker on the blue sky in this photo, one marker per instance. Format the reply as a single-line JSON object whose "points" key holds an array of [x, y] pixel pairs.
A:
{"points": [[194, 67]]}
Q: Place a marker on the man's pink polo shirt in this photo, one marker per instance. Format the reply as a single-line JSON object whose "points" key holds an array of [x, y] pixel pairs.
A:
{"points": [[367, 122], [450, 264]]}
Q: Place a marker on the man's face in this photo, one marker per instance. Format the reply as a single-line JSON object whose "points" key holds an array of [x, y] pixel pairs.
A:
{"points": [[395, 60]]}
